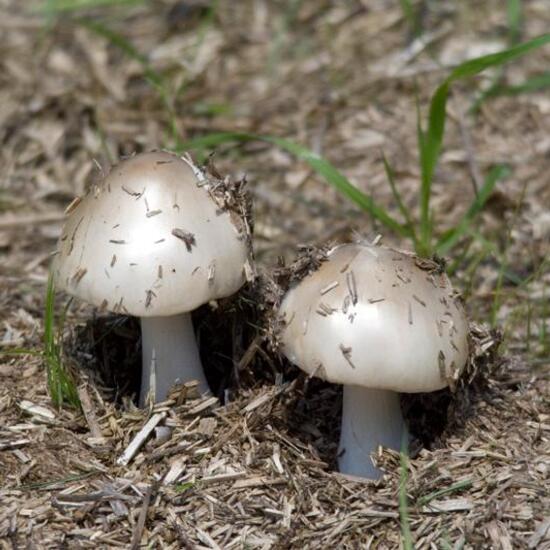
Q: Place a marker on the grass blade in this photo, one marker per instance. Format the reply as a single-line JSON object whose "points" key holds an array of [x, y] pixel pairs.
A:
{"points": [[49, 340], [408, 11], [406, 534], [430, 148], [504, 259], [514, 16], [322, 166], [154, 78], [451, 237], [335, 178], [458, 486], [533, 84], [477, 65], [54, 7], [431, 140], [398, 199], [412, 17], [61, 386], [47, 484], [18, 351]]}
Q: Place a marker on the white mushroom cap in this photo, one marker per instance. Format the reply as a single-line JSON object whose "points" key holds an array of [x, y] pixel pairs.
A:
{"points": [[375, 317], [150, 240]]}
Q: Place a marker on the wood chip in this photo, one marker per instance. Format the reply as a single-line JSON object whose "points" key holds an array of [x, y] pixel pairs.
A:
{"points": [[140, 524], [449, 505], [7, 445], [73, 205], [132, 193], [258, 402], [203, 405], [149, 295], [37, 410], [79, 274], [177, 467], [258, 481], [185, 236], [152, 213], [346, 352], [540, 533], [221, 478], [211, 272], [89, 413], [140, 438], [352, 286], [207, 426], [329, 287]]}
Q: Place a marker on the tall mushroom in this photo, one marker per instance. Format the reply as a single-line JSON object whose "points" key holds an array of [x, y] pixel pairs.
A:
{"points": [[378, 321], [155, 240]]}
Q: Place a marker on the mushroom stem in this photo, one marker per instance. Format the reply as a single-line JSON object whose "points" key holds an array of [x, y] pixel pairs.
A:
{"points": [[369, 418], [169, 347]]}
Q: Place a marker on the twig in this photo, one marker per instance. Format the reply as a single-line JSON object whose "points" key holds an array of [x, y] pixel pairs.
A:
{"points": [[140, 525], [89, 413], [139, 439]]}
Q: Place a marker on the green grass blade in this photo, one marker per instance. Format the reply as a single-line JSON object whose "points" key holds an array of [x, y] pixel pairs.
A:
{"points": [[154, 78], [430, 148], [445, 544], [458, 486], [215, 139], [49, 321], [182, 487], [47, 484], [431, 140], [398, 199], [477, 65], [514, 16], [55, 7], [61, 386], [490, 91], [451, 237], [322, 166], [504, 259], [335, 178], [19, 351], [51, 351], [406, 534], [412, 17], [533, 84], [408, 11]]}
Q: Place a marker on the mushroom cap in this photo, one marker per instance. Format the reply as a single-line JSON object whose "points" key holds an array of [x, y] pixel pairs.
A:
{"points": [[376, 317], [150, 240]]}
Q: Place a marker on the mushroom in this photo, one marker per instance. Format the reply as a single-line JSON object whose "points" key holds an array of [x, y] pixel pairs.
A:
{"points": [[154, 241], [378, 321]]}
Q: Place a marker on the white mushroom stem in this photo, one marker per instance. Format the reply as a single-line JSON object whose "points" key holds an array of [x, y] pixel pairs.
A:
{"points": [[369, 418], [170, 355]]}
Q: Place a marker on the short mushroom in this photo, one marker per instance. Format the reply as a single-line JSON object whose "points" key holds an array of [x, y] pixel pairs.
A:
{"points": [[378, 321], [152, 240]]}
